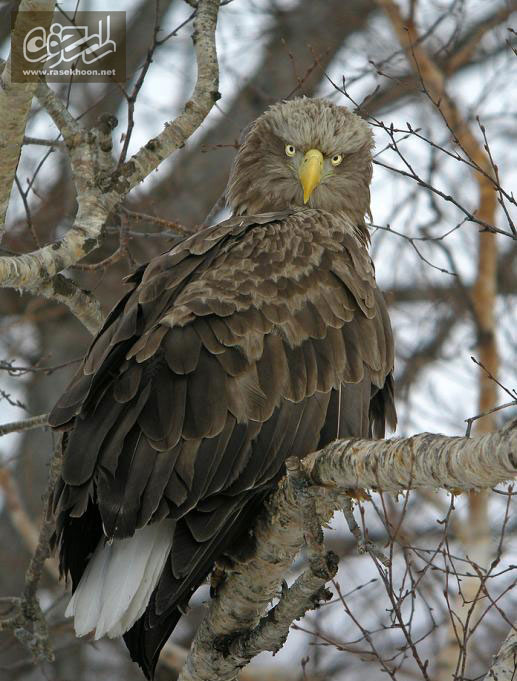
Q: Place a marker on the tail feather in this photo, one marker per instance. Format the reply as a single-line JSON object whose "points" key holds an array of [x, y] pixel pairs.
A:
{"points": [[149, 634], [86, 603], [147, 585], [119, 579]]}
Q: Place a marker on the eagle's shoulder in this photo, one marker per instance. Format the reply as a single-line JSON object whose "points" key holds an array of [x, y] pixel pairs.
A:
{"points": [[299, 274]]}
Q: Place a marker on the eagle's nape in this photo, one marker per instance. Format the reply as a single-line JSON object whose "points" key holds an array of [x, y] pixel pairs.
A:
{"points": [[253, 340]]}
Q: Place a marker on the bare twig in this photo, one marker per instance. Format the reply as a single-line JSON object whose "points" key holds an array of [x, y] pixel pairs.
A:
{"points": [[27, 424], [20, 518], [24, 616]]}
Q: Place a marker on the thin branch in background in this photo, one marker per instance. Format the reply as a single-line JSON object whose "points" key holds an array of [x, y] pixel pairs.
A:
{"points": [[20, 518], [4, 395], [23, 195], [175, 31], [412, 174], [24, 616], [300, 80], [26, 424], [411, 240], [510, 392], [15, 370], [169, 224], [132, 96], [470, 421]]}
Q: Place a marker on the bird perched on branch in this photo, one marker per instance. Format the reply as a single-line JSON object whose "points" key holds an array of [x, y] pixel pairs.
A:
{"points": [[253, 340]]}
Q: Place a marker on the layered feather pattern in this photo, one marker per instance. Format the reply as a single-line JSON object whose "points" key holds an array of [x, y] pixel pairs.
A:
{"points": [[252, 340]]}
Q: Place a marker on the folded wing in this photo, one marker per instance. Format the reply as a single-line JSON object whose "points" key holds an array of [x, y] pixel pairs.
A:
{"points": [[254, 340]]}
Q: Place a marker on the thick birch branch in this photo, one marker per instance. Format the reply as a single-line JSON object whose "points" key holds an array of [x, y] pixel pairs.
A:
{"points": [[15, 105], [83, 304], [425, 460], [38, 272], [235, 629], [29, 270]]}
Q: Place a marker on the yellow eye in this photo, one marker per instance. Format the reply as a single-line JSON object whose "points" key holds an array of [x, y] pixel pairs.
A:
{"points": [[336, 159], [290, 150]]}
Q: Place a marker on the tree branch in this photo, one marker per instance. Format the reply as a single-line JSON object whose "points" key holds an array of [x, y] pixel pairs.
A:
{"points": [[205, 94], [24, 616], [20, 519], [424, 460], [26, 424], [15, 105], [29, 270], [97, 195], [233, 630], [83, 304]]}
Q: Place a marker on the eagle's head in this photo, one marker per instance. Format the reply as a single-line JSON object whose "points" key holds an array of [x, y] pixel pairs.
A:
{"points": [[304, 152]]}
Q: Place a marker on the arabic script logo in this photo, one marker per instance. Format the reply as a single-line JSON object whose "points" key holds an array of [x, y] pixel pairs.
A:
{"points": [[65, 44]]}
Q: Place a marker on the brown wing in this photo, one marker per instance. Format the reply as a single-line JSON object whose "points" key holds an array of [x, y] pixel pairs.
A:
{"points": [[257, 339]]}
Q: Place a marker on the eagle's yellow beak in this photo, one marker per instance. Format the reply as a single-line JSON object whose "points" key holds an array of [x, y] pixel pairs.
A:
{"points": [[310, 172]]}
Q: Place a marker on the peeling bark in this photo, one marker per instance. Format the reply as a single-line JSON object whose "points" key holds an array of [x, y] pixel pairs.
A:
{"points": [[425, 460]]}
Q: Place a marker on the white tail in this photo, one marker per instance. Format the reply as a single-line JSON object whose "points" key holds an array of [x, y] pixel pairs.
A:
{"points": [[118, 581]]}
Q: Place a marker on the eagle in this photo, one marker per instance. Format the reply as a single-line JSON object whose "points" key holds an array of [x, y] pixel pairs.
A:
{"points": [[252, 340]]}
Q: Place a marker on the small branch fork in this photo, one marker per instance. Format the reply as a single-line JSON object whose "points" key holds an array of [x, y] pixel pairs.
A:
{"points": [[364, 545]]}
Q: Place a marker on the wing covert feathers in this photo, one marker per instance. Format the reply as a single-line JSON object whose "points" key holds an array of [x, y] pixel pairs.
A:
{"points": [[258, 338]]}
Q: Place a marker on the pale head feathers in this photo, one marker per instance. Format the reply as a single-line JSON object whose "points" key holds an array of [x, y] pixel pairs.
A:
{"points": [[264, 178]]}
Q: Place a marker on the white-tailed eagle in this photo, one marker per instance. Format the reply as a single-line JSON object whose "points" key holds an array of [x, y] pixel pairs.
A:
{"points": [[253, 340]]}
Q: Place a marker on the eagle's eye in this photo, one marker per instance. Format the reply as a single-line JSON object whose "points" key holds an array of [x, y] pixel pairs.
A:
{"points": [[336, 159], [290, 150]]}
